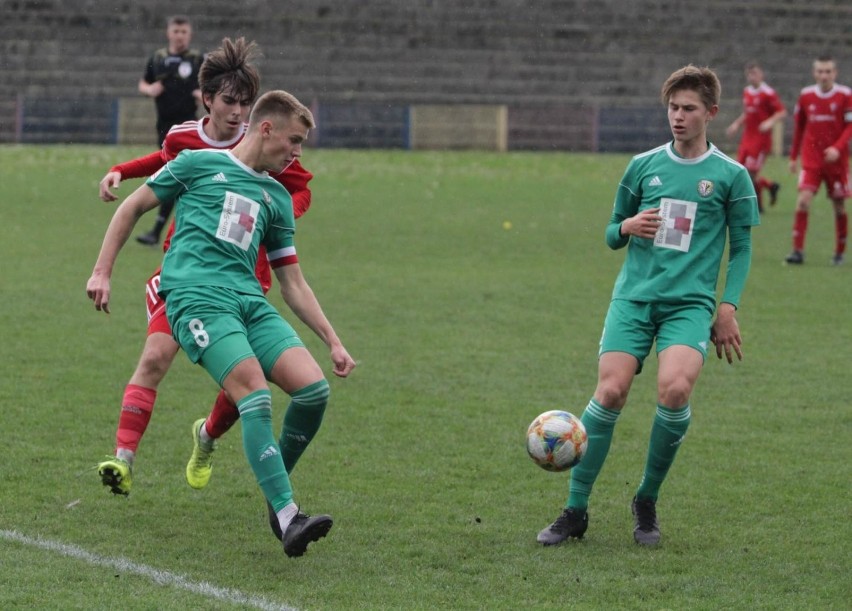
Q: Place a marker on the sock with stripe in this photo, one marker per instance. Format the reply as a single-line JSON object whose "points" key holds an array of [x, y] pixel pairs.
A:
{"points": [[667, 434], [600, 423], [136, 407], [302, 421], [261, 449]]}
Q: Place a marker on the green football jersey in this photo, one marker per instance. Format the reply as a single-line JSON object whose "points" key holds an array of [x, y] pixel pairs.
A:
{"points": [[224, 211], [698, 200]]}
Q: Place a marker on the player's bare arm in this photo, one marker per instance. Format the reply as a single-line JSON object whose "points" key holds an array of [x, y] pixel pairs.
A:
{"points": [[152, 90], [300, 298], [725, 333], [734, 127], [643, 225], [120, 227], [770, 122]]}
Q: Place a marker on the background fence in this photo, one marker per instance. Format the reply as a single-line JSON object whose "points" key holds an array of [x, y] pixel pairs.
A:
{"points": [[565, 74]]}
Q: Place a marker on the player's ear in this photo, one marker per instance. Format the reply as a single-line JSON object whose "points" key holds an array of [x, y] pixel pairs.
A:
{"points": [[713, 111]]}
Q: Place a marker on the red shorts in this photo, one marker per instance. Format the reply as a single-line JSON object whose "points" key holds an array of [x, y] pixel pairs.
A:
{"points": [[835, 177], [156, 307], [752, 153]]}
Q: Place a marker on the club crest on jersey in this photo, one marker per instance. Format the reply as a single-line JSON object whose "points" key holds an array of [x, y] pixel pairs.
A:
{"points": [[705, 188], [185, 70]]}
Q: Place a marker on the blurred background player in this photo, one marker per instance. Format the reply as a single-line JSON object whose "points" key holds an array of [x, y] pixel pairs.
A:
{"points": [[214, 304], [676, 208], [762, 109], [229, 82], [171, 78], [822, 127]]}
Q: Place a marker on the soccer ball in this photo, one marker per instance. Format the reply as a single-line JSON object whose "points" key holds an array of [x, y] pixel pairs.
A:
{"points": [[556, 440]]}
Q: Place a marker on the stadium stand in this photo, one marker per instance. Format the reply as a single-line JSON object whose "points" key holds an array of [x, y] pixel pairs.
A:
{"points": [[571, 74]]}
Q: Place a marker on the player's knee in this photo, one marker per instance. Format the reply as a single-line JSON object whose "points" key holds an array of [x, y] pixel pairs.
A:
{"points": [[675, 393], [155, 361], [611, 395], [314, 395], [803, 202]]}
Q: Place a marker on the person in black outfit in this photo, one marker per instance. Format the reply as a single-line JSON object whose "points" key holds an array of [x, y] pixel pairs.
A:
{"points": [[171, 78]]}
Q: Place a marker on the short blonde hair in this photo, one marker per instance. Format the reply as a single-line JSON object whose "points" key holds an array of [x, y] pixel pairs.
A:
{"points": [[280, 104], [703, 81]]}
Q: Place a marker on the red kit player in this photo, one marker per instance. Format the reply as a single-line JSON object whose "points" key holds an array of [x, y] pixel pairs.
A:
{"points": [[762, 109], [822, 129]]}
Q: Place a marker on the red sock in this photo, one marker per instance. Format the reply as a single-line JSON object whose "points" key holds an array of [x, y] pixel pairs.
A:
{"points": [[800, 228], [841, 228], [222, 417], [136, 408], [761, 184]]}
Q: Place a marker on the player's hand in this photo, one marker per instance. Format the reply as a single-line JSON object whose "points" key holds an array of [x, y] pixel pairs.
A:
{"points": [[725, 333], [732, 130], [794, 166], [831, 154], [343, 363], [765, 126], [98, 290], [110, 181], [643, 225]]}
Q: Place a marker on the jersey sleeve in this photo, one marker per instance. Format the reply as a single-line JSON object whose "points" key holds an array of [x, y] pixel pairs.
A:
{"points": [[775, 103], [171, 145], [279, 239], [742, 201], [739, 264], [628, 196], [843, 141], [174, 178], [148, 76], [799, 120], [295, 179], [141, 166]]}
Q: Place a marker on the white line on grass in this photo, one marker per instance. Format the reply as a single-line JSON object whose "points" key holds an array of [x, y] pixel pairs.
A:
{"points": [[164, 578]]}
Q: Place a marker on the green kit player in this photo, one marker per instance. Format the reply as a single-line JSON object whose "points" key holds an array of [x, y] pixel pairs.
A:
{"points": [[675, 209], [227, 206]]}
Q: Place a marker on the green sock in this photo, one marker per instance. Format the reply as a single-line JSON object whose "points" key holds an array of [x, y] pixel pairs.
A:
{"points": [[667, 433], [599, 422], [302, 421], [261, 450]]}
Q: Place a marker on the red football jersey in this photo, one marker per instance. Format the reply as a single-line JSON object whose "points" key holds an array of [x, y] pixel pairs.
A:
{"points": [[759, 103], [822, 119], [191, 136]]}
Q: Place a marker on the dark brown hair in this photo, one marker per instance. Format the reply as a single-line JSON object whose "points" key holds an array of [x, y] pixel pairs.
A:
{"points": [[229, 69]]}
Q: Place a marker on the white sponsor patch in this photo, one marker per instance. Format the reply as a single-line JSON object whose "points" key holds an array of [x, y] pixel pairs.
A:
{"points": [[237, 222], [675, 231]]}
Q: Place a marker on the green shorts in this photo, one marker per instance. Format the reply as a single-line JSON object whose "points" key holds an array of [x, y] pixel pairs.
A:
{"points": [[632, 327], [219, 328]]}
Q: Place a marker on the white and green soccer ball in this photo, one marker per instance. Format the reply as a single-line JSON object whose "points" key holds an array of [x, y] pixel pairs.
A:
{"points": [[556, 440]]}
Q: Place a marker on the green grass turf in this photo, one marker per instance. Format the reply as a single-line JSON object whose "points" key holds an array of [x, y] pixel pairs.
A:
{"points": [[464, 331]]}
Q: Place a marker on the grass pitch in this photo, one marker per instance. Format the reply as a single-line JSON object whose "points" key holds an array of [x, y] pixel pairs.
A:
{"points": [[465, 327]]}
